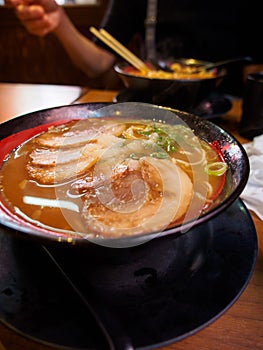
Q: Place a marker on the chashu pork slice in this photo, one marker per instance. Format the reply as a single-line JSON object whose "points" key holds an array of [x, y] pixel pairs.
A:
{"points": [[78, 133], [141, 196], [50, 166]]}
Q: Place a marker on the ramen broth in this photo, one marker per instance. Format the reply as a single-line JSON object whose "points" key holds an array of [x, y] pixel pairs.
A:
{"points": [[60, 179]]}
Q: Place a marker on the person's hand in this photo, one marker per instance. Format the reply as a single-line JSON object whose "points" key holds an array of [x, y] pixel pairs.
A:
{"points": [[38, 16]]}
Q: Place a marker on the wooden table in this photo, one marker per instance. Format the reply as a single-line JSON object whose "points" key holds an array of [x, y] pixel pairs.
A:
{"points": [[240, 328], [18, 99]]}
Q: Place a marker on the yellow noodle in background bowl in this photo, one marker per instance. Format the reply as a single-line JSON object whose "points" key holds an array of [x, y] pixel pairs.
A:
{"points": [[179, 72]]}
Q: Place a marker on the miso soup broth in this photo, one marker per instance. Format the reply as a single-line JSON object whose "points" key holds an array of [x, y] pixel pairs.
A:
{"points": [[110, 177]]}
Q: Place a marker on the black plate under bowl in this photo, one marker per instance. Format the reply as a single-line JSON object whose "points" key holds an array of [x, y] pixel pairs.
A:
{"points": [[160, 309], [213, 106]]}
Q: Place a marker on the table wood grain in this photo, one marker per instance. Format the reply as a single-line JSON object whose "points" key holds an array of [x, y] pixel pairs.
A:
{"points": [[240, 327]]}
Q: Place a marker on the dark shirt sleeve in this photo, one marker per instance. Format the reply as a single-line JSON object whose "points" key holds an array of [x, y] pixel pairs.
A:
{"points": [[123, 19]]}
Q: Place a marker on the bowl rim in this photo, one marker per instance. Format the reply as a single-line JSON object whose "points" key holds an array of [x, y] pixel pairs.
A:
{"points": [[51, 236]]}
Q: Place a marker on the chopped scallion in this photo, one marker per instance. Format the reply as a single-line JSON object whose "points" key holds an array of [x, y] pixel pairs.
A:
{"points": [[216, 168]]}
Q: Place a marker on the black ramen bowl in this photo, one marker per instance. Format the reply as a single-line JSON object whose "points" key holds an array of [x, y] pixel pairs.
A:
{"points": [[182, 94], [15, 131]]}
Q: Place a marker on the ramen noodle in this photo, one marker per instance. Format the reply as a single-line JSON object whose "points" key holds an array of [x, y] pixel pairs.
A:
{"points": [[178, 72]]}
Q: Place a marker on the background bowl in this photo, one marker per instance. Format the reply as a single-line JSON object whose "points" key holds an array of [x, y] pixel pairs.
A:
{"points": [[15, 131], [182, 94]]}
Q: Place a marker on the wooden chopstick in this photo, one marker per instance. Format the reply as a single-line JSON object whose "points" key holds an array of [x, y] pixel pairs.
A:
{"points": [[124, 49], [120, 49]]}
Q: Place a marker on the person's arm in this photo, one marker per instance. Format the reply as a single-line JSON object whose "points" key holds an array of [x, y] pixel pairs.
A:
{"points": [[41, 17], [89, 57]]}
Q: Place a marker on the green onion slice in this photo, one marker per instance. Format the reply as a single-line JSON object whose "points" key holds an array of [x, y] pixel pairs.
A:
{"points": [[216, 168]]}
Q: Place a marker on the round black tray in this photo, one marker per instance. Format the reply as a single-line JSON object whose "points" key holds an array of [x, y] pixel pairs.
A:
{"points": [[37, 301], [213, 106]]}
